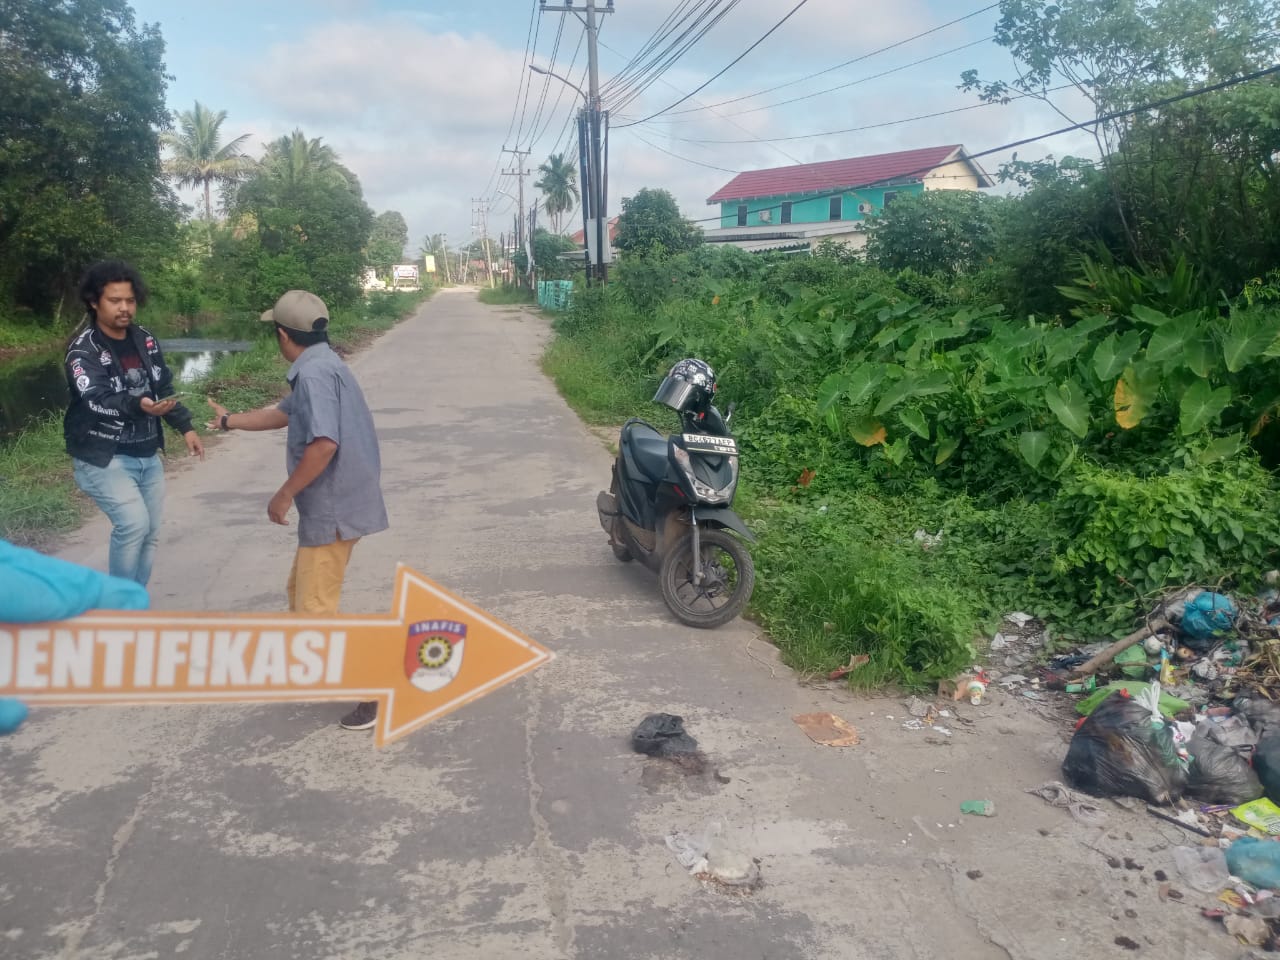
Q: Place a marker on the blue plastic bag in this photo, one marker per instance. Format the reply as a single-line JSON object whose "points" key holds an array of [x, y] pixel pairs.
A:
{"points": [[1207, 617], [34, 587], [1255, 861]]}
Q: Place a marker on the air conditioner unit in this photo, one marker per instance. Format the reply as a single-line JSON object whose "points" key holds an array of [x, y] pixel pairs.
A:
{"points": [[865, 207]]}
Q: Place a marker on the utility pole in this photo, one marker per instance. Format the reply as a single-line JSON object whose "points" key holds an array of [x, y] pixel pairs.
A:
{"points": [[520, 173], [481, 213], [592, 173]]}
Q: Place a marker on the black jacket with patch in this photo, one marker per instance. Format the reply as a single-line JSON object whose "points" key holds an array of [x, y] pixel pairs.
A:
{"points": [[100, 402]]}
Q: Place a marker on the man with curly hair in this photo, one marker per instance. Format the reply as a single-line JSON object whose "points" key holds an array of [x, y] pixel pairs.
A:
{"points": [[121, 388]]}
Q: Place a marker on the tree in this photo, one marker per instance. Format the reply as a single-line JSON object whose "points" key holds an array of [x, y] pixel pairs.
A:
{"points": [[198, 159], [81, 98], [547, 247], [951, 231], [387, 240], [651, 225], [295, 159], [311, 224], [559, 186], [1194, 179]]}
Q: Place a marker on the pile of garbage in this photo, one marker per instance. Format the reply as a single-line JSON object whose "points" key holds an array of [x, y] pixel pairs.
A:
{"points": [[1191, 725]]}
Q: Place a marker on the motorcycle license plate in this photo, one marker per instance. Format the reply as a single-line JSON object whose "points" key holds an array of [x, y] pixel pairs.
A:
{"points": [[702, 443]]}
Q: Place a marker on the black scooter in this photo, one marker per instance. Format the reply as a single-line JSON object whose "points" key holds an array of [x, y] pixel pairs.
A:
{"points": [[669, 504]]}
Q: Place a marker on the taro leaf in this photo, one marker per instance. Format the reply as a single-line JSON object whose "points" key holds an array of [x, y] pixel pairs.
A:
{"points": [[896, 394], [1135, 392], [1062, 345], [946, 447], [842, 332], [1006, 424], [831, 390], [1200, 404], [1246, 340], [862, 381], [868, 431], [1148, 315], [1070, 405], [1221, 448], [1114, 354], [898, 450], [1167, 341], [1033, 445], [1196, 356], [853, 386], [915, 421]]}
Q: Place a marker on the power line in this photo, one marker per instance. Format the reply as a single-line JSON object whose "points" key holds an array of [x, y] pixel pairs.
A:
{"points": [[886, 123], [794, 10], [635, 67], [847, 63], [667, 83], [1038, 94], [709, 166], [853, 83], [665, 60], [528, 42]]}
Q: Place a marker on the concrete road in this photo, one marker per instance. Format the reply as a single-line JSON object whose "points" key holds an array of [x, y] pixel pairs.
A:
{"points": [[523, 827]]}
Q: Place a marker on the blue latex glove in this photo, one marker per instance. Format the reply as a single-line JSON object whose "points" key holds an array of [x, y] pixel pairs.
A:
{"points": [[34, 587]]}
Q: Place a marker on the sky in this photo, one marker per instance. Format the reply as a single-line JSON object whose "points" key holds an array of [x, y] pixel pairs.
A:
{"points": [[419, 98]]}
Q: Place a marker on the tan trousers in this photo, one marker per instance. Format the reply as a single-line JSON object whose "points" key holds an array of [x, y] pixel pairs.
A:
{"points": [[315, 582]]}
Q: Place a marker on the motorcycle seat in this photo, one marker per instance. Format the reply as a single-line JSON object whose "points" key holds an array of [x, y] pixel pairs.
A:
{"points": [[646, 448]]}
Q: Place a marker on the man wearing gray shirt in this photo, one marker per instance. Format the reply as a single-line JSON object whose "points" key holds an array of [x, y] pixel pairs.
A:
{"points": [[332, 457]]}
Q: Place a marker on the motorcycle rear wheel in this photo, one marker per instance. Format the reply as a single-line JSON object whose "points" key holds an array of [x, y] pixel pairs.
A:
{"points": [[729, 576]]}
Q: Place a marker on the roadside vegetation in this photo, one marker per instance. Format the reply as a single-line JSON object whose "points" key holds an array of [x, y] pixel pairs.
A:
{"points": [[1061, 402]]}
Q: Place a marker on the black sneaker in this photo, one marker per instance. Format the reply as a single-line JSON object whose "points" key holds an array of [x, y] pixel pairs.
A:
{"points": [[363, 717]]}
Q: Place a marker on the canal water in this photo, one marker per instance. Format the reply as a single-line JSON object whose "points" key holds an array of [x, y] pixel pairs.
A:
{"points": [[32, 388]]}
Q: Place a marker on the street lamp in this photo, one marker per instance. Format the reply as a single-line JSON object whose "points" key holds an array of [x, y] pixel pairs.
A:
{"points": [[548, 73]]}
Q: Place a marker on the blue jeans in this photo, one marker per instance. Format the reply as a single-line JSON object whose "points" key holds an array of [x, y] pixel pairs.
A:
{"points": [[130, 491]]}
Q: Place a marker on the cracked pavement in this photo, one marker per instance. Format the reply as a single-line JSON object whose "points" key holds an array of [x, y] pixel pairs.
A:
{"points": [[522, 826]]}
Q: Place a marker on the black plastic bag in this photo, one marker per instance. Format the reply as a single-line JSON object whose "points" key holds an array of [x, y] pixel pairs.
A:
{"points": [[1266, 764], [1263, 715], [662, 735], [1118, 752], [1219, 774]]}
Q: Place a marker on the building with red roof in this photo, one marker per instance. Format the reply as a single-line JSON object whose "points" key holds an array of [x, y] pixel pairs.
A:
{"points": [[796, 207]]}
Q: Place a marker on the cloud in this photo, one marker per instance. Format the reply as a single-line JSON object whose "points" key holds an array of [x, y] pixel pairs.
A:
{"points": [[420, 113]]}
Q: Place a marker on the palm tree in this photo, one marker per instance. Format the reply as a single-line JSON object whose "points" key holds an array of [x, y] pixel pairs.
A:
{"points": [[198, 160], [296, 159], [559, 186]]}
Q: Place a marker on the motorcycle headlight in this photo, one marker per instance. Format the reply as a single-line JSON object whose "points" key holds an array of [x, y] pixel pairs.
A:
{"points": [[704, 492]]}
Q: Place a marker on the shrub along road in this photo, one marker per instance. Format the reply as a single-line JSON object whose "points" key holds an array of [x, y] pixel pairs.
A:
{"points": [[523, 826]]}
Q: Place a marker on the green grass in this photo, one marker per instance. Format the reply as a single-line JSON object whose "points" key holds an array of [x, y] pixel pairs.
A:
{"points": [[499, 296], [838, 570], [31, 336], [38, 496]]}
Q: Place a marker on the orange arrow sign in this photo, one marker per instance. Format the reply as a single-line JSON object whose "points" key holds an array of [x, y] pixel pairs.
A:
{"points": [[434, 653]]}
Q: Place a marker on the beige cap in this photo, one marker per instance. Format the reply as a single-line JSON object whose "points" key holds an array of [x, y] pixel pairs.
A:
{"points": [[299, 310]]}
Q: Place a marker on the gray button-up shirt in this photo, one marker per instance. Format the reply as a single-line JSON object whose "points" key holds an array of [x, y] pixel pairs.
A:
{"points": [[345, 501]]}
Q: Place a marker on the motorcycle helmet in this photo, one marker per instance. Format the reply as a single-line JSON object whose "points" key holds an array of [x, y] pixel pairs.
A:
{"points": [[689, 385]]}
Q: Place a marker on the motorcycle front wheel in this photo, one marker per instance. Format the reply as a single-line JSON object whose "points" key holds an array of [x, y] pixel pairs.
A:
{"points": [[728, 577]]}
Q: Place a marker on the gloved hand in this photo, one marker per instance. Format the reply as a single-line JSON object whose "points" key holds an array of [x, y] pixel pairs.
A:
{"points": [[34, 587]]}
